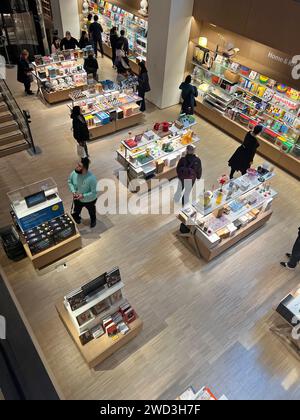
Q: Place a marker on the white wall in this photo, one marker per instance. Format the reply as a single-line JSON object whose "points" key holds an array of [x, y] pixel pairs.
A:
{"points": [[66, 17], [168, 40]]}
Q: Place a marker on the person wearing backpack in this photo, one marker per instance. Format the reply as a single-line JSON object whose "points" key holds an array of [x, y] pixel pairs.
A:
{"points": [[189, 169]]}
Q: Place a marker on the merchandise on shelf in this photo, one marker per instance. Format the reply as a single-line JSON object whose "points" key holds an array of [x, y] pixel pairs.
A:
{"points": [[154, 152], [60, 71], [220, 214], [99, 308], [249, 98], [105, 102], [136, 27]]}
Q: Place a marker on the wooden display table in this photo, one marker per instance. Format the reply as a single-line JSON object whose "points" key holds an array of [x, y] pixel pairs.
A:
{"points": [[268, 150], [62, 95], [54, 253], [113, 126], [208, 254], [96, 351]]}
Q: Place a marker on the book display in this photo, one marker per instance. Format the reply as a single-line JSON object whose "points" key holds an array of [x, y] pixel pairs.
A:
{"points": [[136, 28], [155, 153], [46, 231], [60, 74], [108, 108], [247, 98], [219, 219], [99, 318]]}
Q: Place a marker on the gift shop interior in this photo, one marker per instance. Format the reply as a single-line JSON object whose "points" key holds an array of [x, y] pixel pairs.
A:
{"points": [[202, 303]]}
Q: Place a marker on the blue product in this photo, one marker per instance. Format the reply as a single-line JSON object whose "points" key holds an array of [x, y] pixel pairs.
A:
{"points": [[103, 117], [44, 215]]}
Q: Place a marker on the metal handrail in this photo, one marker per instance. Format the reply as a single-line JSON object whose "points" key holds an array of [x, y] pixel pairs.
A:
{"points": [[21, 117]]}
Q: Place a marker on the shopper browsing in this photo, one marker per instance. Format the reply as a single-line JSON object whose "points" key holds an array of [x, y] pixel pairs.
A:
{"points": [[122, 62], [83, 186], [68, 42], [95, 32], [80, 132], [144, 85], [55, 47], [122, 43], [244, 156], [89, 20], [294, 257], [25, 72], [91, 65], [84, 40], [189, 169], [113, 42], [188, 95]]}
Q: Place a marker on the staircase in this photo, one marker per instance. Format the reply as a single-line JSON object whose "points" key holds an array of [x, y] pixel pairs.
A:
{"points": [[15, 135]]}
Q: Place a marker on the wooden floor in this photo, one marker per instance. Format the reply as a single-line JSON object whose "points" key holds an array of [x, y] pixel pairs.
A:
{"points": [[204, 324]]}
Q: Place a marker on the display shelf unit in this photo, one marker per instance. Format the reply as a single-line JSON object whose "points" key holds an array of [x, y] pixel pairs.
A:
{"points": [[92, 311], [114, 104], [57, 78], [160, 161], [55, 253], [257, 99], [215, 228], [135, 25]]}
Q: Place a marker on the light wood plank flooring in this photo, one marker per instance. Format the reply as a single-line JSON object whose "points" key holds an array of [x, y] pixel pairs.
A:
{"points": [[205, 324]]}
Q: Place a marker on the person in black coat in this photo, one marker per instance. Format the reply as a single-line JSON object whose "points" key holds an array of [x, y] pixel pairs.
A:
{"points": [[68, 42], [189, 93], [24, 72], [294, 257], [84, 40], [114, 42], [80, 129], [189, 169], [95, 32], [244, 156], [91, 65], [144, 85], [122, 43]]}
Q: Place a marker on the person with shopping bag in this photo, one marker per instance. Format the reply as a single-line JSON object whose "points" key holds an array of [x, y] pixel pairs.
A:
{"points": [[80, 132]]}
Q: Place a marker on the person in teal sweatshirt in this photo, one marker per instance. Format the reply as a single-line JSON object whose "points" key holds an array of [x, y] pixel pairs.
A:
{"points": [[83, 186]]}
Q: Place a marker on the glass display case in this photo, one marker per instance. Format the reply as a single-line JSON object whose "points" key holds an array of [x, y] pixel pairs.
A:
{"points": [[249, 98], [136, 27]]}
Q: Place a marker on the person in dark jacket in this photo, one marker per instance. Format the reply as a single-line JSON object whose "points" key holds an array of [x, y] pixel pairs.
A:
{"points": [[91, 65], [122, 43], [84, 40], [244, 156], [113, 42], [144, 85], [189, 93], [68, 42], [294, 257], [80, 129], [189, 169], [24, 72], [95, 32]]}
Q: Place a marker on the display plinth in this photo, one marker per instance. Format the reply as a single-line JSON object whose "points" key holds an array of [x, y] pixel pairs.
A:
{"points": [[268, 150], [102, 130], [209, 254], [98, 350], [62, 95], [129, 121], [55, 253]]}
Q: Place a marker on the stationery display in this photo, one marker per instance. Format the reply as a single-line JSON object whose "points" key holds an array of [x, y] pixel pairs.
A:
{"points": [[136, 27], [105, 102], [219, 215], [156, 151], [99, 308], [59, 73], [249, 98], [204, 394]]}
